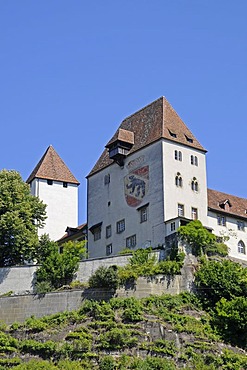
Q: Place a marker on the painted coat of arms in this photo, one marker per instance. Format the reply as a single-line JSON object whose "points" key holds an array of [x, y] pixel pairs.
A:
{"points": [[136, 186]]}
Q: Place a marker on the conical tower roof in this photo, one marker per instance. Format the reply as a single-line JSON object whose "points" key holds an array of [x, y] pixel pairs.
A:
{"points": [[156, 121], [52, 167]]}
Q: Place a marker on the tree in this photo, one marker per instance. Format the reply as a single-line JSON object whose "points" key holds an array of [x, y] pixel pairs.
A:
{"points": [[21, 214], [58, 269], [200, 239], [225, 279]]}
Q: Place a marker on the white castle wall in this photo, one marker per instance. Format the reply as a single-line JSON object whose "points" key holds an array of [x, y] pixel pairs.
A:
{"points": [[107, 203], [184, 195], [230, 231]]}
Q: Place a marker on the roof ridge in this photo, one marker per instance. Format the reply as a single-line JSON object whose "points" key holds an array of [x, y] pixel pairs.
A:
{"points": [[143, 108]]}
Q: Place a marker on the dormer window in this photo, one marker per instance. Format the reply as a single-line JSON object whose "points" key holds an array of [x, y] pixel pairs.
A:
{"points": [[189, 139], [225, 204], [172, 133], [120, 146]]}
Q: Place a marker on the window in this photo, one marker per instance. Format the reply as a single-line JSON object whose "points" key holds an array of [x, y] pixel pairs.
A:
{"points": [[65, 184], [240, 225], [178, 180], [221, 220], [194, 213], [120, 226], [172, 133], [131, 241], [180, 210], [194, 160], [189, 139], [97, 233], [194, 184], [107, 179], [173, 226], [143, 214], [178, 155], [241, 247], [109, 249], [50, 182], [108, 231]]}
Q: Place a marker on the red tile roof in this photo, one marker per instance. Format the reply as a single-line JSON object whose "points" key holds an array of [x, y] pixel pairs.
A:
{"points": [[155, 121], [236, 206], [52, 167]]}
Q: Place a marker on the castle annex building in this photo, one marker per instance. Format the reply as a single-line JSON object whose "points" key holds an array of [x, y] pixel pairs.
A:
{"points": [[150, 179], [53, 182]]}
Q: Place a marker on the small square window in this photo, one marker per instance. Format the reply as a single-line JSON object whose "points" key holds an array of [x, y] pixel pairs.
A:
{"points": [[50, 182], [194, 213], [120, 226], [180, 210], [108, 231], [107, 179], [221, 220], [109, 249], [241, 225], [131, 241], [65, 184], [173, 226], [143, 214]]}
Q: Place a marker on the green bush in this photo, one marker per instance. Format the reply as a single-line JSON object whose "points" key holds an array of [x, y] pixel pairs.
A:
{"points": [[105, 277], [117, 339], [107, 363]]}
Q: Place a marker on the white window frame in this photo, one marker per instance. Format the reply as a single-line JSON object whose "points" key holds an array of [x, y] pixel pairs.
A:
{"points": [[180, 210], [108, 249], [108, 231], [194, 213], [221, 220], [241, 247], [241, 225], [131, 241], [120, 226]]}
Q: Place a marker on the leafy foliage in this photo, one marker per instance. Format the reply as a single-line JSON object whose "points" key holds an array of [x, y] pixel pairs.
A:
{"points": [[224, 279], [20, 216], [57, 269], [201, 240], [144, 263], [104, 277]]}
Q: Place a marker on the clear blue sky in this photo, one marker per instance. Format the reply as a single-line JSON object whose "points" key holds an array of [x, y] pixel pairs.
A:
{"points": [[70, 71]]}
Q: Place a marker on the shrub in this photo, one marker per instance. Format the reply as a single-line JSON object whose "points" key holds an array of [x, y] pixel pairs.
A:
{"points": [[104, 277]]}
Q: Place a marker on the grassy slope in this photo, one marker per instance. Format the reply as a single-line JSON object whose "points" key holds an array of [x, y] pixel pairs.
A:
{"points": [[167, 332]]}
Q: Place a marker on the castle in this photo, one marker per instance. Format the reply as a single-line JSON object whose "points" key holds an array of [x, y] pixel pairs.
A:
{"points": [[150, 179]]}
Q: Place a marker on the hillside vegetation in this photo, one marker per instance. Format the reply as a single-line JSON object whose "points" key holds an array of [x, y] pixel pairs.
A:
{"points": [[204, 330]]}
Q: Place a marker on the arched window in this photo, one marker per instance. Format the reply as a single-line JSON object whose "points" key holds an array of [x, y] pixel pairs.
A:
{"points": [[192, 159], [180, 156], [241, 247], [194, 184], [176, 155], [196, 161], [178, 180]]}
